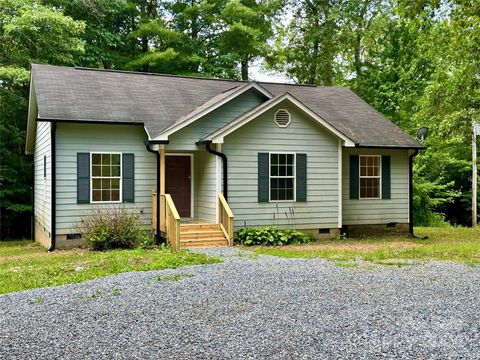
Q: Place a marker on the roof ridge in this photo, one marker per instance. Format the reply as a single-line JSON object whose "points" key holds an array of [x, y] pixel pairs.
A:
{"points": [[84, 68], [156, 74]]}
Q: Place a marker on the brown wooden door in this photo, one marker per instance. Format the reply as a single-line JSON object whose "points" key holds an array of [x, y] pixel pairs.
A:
{"points": [[178, 182]]}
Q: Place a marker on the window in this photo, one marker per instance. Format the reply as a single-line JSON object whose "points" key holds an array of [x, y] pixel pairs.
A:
{"points": [[282, 177], [370, 177], [282, 118], [106, 177]]}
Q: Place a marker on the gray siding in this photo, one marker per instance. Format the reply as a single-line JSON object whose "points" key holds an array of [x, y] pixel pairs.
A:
{"points": [[205, 186], [186, 138], [373, 211], [74, 138], [43, 193], [303, 135]]}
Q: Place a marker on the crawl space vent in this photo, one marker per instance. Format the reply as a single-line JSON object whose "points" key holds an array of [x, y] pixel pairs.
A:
{"points": [[282, 118]]}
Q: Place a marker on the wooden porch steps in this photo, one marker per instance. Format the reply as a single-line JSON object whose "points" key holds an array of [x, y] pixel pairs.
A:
{"points": [[201, 236]]}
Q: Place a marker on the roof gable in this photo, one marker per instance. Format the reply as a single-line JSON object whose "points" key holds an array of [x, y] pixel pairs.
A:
{"points": [[219, 135], [211, 105]]}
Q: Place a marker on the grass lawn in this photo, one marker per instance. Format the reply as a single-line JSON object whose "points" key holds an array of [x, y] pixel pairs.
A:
{"points": [[24, 265], [451, 244]]}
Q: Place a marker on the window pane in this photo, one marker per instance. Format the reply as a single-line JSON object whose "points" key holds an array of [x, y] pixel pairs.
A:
{"points": [[96, 159], [274, 158], [97, 195], [273, 194], [289, 183], [115, 184], [97, 184], [363, 161], [273, 183], [96, 171], [281, 194], [274, 170], [106, 170], [363, 171], [370, 171], [105, 184], [370, 188], [282, 170], [290, 170], [116, 159], [290, 159], [105, 159], [115, 195], [282, 158], [105, 195], [115, 170], [289, 194]]}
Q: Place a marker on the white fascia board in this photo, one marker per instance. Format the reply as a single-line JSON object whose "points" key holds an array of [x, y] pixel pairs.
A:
{"points": [[251, 85], [31, 119], [218, 137]]}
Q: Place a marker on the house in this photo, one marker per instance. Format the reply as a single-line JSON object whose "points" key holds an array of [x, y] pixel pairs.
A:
{"points": [[199, 158]]}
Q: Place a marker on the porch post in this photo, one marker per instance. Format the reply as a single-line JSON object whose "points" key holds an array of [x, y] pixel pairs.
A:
{"points": [[162, 169]]}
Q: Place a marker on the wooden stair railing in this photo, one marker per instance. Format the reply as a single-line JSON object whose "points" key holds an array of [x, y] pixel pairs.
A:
{"points": [[169, 219], [172, 221], [154, 213], [225, 218]]}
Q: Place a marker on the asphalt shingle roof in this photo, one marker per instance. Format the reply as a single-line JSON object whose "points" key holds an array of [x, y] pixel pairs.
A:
{"points": [[158, 101]]}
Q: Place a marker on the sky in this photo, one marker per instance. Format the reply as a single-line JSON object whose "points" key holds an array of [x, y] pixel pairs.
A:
{"points": [[258, 72]]}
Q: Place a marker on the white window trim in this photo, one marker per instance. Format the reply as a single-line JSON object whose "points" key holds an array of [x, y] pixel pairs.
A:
{"points": [[289, 118], [286, 177], [379, 177], [115, 177]]}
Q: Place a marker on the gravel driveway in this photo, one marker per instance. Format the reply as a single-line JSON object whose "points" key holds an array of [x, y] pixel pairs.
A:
{"points": [[252, 307]]}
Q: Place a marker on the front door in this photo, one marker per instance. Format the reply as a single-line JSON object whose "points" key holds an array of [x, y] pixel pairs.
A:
{"points": [[178, 182]]}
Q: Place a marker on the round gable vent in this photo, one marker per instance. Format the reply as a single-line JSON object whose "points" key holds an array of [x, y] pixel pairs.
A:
{"points": [[282, 118]]}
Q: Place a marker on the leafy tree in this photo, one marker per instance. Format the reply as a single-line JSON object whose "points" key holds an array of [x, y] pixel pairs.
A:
{"points": [[247, 28], [29, 32], [451, 102], [309, 44]]}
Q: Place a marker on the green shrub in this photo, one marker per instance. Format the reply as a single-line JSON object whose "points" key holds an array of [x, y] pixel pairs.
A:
{"points": [[272, 236], [113, 228]]}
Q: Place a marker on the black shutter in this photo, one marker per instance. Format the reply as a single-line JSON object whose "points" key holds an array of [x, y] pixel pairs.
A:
{"points": [[128, 177], [263, 177], [301, 174], [386, 183], [354, 176], [83, 178]]}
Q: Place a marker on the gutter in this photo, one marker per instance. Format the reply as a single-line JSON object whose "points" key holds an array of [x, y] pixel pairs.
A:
{"points": [[53, 168], [224, 163], [410, 200], [158, 235]]}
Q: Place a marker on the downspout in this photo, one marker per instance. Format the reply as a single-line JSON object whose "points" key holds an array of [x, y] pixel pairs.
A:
{"points": [[32, 230], [410, 200], [158, 235], [225, 168], [53, 167]]}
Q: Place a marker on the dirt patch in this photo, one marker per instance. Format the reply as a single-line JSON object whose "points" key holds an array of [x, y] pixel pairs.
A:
{"points": [[42, 254], [141, 261], [349, 245]]}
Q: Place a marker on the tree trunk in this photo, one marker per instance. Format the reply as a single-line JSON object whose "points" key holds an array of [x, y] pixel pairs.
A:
{"points": [[244, 69], [312, 71], [146, 66]]}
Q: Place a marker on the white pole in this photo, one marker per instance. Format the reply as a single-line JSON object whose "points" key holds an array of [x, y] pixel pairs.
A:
{"points": [[474, 174]]}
